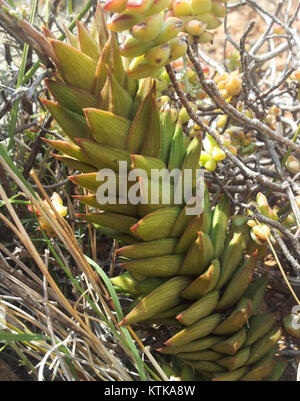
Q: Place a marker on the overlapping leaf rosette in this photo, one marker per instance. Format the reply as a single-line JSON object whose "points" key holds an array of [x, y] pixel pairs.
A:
{"points": [[156, 29], [194, 272]]}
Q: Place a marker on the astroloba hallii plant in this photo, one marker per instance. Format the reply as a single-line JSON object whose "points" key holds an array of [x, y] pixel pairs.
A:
{"points": [[189, 270]]}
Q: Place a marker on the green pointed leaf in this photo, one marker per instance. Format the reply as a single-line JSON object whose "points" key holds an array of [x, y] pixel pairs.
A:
{"points": [[120, 102], [116, 61], [70, 97], [147, 164], [107, 128], [99, 29], [73, 124], [88, 44], [139, 126], [115, 221], [198, 256], [101, 70], [204, 283], [177, 152], [75, 164], [160, 266], [72, 39], [87, 181], [156, 225], [102, 156], [77, 68], [151, 145], [68, 148], [129, 210], [148, 249]]}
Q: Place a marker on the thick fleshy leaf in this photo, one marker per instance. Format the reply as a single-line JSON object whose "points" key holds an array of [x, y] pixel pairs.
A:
{"points": [[177, 152], [73, 124], [181, 223], [70, 97], [151, 145], [236, 320], [116, 65], [72, 39], [101, 70], [128, 209], [87, 181], [155, 194], [190, 163], [77, 68], [75, 164], [198, 330], [231, 345], [120, 102], [193, 346], [147, 164], [107, 128], [204, 283], [110, 57], [237, 284], [92, 182], [68, 148], [88, 44], [199, 309], [162, 298], [115, 221], [198, 257], [167, 129], [144, 88], [99, 29], [160, 266], [102, 156], [148, 249], [139, 125], [156, 225]]}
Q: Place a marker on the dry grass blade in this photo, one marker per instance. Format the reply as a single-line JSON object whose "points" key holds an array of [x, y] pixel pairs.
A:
{"points": [[83, 353]]}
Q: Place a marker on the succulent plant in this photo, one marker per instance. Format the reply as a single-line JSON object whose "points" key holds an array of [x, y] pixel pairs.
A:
{"points": [[291, 324], [295, 76], [156, 29], [191, 271], [230, 84], [57, 204]]}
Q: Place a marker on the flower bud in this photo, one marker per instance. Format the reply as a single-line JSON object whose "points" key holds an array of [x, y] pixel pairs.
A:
{"points": [[134, 48], [115, 6], [147, 29], [233, 86], [262, 231], [292, 164], [170, 29], [139, 7], [140, 68], [158, 55], [178, 48], [218, 154], [121, 22], [195, 27], [205, 37], [182, 8], [210, 165], [201, 6]]}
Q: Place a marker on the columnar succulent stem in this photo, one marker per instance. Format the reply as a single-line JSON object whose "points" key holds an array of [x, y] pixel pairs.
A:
{"points": [[192, 270]]}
